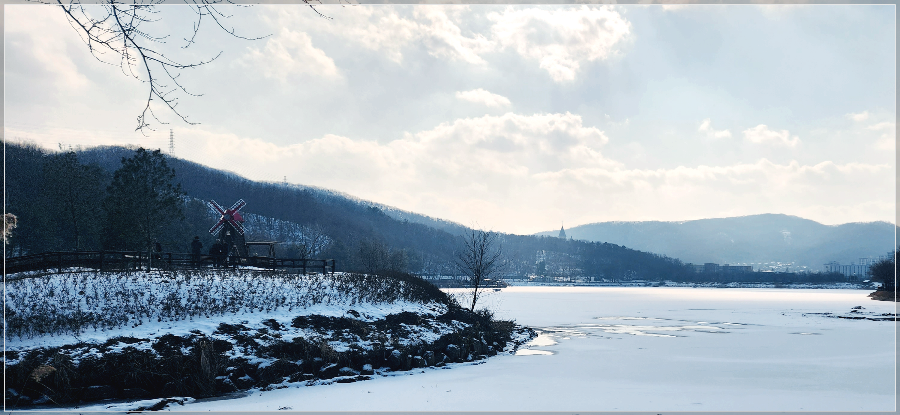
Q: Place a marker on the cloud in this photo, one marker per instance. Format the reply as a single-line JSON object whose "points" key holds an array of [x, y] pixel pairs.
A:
{"points": [[394, 30], [445, 39], [483, 97], [888, 139], [707, 129], [523, 173], [42, 33], [288, 55], [561, 39], [862, 116], [761, 134]]}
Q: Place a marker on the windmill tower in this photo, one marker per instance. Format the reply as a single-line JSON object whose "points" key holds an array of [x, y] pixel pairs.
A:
{"points": [[171, 143]]}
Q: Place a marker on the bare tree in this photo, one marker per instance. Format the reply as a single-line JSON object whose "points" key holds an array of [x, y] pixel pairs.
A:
{"points": [[115, 28], [884, 271], [479, 258], [313, 241], [373, 256]]}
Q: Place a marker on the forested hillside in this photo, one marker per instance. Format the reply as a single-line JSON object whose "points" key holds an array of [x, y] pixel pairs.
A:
{"points": [[58, 199]]}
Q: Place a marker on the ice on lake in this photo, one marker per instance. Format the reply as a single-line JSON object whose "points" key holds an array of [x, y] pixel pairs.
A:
{"points": [[646, 349]]}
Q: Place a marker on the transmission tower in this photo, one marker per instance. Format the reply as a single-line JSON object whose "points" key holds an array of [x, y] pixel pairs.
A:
{"points": [[171, 143]]}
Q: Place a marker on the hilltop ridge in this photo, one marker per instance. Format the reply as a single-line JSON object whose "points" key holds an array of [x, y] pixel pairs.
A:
{"points": [[762, 238]]}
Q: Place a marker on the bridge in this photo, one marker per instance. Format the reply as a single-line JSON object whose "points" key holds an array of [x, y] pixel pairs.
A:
{"points": [[134, 260]]}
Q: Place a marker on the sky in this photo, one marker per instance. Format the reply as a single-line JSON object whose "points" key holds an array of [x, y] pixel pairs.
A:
{"points": [[515, 118]]}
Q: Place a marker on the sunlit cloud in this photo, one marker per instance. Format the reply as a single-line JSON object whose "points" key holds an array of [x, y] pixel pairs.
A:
{"points": [[860, 116], [481, 96], [561, 39], [45, 33], [290, 55], [761, 134], [705, 127]]}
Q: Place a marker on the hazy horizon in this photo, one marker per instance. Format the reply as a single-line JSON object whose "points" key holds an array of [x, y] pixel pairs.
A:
{"points": [[515, 118]]}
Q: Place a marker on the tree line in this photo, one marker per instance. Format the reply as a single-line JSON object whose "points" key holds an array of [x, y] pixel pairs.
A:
{"points": [[98, 199]]}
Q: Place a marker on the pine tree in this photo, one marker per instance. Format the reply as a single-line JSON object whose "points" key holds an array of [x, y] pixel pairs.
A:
{"points": [[141, 201]]}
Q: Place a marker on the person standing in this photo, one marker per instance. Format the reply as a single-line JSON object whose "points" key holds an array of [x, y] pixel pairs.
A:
{"points": [[196, 246]]}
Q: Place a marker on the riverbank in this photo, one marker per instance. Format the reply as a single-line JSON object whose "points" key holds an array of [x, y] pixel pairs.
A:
{"points": [[218, 333]]}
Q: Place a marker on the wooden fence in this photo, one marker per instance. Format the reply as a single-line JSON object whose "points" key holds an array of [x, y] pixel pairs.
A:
{"points": [[133, 260]]}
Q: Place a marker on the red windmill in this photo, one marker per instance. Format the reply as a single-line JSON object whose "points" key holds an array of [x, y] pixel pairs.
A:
{"points": [[230, 216], [230, 227]]}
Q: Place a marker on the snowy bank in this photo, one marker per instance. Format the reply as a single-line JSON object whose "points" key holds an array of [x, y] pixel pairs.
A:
{"points": [[82, 337]]}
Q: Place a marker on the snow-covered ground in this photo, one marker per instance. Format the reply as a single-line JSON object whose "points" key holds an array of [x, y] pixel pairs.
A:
{"points": [[643, 349]]}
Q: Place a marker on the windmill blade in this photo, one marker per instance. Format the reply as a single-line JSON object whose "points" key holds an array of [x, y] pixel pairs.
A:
{"points": [[237, 226], [215, 206], [237, 205], [217, 226]]}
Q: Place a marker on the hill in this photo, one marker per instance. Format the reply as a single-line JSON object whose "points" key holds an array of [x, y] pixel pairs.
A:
{"points": [[765, 238], [361, 235]]}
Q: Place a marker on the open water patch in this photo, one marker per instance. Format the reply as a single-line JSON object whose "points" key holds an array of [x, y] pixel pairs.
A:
{"points": [[634, 326]]}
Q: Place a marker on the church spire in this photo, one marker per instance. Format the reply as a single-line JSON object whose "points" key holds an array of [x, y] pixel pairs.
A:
{"points": [[562, 232]]}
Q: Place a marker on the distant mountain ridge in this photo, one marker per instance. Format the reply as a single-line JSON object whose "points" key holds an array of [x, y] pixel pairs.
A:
{"points": [[763, 238]]}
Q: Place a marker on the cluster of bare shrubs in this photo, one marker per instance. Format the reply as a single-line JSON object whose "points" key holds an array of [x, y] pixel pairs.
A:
{"points": [[241, 357], [71, 303]]}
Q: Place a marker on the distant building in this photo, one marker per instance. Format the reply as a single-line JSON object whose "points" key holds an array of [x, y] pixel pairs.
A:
{"points": [[853, 269], [712, 268], [562, 232]]}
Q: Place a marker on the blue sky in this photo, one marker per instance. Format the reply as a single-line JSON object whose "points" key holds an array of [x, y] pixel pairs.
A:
{"points": [[513, 118]]}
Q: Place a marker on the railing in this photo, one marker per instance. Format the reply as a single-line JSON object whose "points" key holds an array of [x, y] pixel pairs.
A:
{"points": [[133, 260]]}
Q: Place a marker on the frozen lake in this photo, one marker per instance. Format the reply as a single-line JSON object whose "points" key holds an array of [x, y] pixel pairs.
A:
{"points": [[645, 349]]}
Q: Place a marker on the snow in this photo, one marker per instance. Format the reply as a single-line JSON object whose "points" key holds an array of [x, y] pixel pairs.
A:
{"points": [[139, 300], [723, 350], [625, 349]]}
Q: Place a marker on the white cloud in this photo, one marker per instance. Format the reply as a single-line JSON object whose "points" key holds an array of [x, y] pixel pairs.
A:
{"points": [[392, 30], [705, 127], [43, 33], [881, 126], [761, 134], [861, 116], [561, 39], [483, 97], [522, 173], [445, 38], [289, 55], [888, 139]]}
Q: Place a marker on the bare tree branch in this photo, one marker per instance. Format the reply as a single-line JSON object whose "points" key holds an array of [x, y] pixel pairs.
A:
{"points": [[116, 29]]}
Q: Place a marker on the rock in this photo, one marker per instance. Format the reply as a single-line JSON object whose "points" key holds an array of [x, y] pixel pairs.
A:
{"points": [[277, 371], [429, 358], [98, 392], [479, 347], [418, 361], [395, 360], [135, 393], [453, 353], [367, 370], [346, 371], [329, 371]]}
